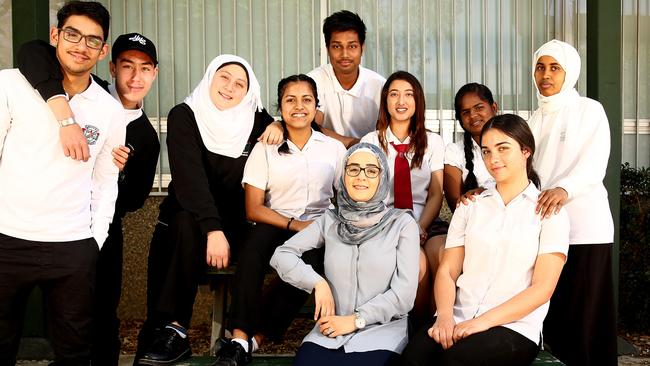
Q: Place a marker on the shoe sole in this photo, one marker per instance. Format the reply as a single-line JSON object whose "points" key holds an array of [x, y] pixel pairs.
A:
{"points": [[183, 356]]}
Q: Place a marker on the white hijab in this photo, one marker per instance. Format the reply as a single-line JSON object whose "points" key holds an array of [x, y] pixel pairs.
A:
{"points": [[555, 124], [225, 132], [568, 58]]}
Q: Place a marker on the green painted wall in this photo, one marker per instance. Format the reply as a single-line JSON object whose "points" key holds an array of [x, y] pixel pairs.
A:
{"points": [[604, 76], [30, 20]]}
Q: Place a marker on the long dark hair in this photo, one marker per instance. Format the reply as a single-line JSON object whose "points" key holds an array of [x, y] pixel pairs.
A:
{"points": [[417, 130], [282, 87], [515, 127], [484, 93]]}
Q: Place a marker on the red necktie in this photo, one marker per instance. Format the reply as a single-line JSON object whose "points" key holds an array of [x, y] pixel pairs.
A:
{"points": [[402, 178]]}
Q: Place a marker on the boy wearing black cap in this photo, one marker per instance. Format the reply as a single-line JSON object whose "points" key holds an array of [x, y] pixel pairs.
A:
{"points": [[134, 67]]}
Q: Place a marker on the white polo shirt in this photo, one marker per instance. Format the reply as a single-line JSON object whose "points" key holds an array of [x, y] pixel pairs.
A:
{"points": [[420, 177], [299, 184], [455, 156], [501, 246], [45, 196], [349, 112]]}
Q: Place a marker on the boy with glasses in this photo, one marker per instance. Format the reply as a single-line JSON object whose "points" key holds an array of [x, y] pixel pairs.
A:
{"points": [[54, 211], [134, 67]]}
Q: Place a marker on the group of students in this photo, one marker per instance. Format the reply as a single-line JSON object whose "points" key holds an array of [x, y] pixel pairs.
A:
{"points": [[392, 283]]}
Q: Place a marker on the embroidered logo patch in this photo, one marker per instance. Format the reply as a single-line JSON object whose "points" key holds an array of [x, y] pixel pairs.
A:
{"points": [[138, 38], [91, 133]]}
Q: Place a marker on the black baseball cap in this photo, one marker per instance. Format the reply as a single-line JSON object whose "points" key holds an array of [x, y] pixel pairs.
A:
{"points": [[134, 41]]}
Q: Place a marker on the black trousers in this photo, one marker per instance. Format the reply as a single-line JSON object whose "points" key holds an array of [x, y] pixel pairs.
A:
{"points": [[176, 266], [580, 327], [311, 354], [105, 349], [271, 311], [252, 265], [498, 346], [65, 272]]}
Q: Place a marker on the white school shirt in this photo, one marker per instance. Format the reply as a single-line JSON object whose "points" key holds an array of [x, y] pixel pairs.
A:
{"points": [[299, 184], [455, 156], [349, 112], [130, 114], [420, 177], [44, 195], [577, 164], [501, 246]]}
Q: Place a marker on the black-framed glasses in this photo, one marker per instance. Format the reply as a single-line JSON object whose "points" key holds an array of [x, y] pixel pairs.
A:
{"points": [[72, 35], [371, 171]]}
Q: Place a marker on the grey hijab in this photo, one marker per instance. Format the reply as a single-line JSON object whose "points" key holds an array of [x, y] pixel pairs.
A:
{"points": [[360, 221]]}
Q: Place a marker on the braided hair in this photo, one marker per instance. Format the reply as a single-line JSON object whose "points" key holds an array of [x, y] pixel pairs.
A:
{"points": [[484, 93]]}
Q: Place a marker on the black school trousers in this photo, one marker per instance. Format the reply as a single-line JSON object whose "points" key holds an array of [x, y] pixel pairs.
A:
{"points": [[105, 349], [498, 346], [65, 272], [580, 327], [271, 310]]}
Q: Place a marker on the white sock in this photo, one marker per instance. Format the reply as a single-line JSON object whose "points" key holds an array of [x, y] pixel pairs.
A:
{"points": [[243, 342], [254, 345]]}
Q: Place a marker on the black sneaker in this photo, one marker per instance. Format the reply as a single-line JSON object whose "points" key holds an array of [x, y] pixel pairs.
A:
{"points": [[168, 347], [231, 353]]}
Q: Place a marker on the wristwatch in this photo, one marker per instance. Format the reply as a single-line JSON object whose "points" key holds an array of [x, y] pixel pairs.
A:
{"points": [[359, 322], [67, 122]]}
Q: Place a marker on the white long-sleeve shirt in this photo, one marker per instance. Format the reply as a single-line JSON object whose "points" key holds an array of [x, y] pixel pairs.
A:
{"points": [[573, 143], [45, 196]]}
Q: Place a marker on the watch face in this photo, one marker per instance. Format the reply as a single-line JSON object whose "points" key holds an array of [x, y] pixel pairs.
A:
{"points": [[360, 323]]}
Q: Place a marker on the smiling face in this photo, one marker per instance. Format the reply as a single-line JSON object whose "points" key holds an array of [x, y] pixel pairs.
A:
{"points": [[229, 86], [298, 105], [549, 76], [503, 156], [400, 101], [474, 112], [345, 52], [361, 188], [134, 73], [77, 59]]}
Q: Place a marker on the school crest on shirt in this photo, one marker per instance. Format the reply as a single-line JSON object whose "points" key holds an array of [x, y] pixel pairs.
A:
{"points": [[91, 133]]}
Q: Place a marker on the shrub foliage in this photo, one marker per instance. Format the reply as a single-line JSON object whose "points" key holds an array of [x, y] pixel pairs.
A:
{"points": [[634, 296]]}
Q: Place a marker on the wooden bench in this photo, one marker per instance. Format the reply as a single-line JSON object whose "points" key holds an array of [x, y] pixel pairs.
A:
{"points": [[219, 282]]}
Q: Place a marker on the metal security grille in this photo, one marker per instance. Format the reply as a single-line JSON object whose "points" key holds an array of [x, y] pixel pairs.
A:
{"points": [[444, 43], [636, 82]]}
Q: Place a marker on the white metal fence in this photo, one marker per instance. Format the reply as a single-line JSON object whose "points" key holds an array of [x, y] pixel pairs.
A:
{"points": [[444, 43]]}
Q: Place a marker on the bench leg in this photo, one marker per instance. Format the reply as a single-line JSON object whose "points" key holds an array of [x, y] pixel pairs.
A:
{"points": [[219, 304]]}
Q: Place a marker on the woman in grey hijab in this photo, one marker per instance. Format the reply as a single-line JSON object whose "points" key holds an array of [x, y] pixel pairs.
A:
{"points": [[371, 269]]}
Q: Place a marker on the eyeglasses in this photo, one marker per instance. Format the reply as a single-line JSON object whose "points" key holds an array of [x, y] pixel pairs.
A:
{"points": [[353, 170], [74, 36]]}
